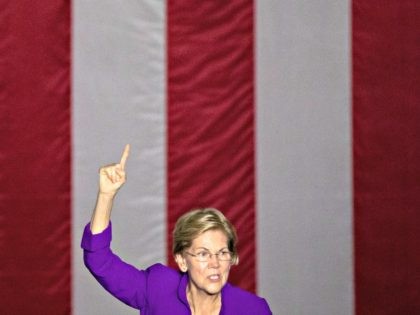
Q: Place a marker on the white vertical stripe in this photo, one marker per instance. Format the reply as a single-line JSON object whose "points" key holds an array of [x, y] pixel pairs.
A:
{"points": [[304, 156], [118, 98]]}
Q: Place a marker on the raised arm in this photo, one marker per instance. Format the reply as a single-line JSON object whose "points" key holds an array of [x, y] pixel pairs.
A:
{"points": [[111, 178]]}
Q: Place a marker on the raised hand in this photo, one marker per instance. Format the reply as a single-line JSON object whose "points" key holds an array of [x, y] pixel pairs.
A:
{"points": [[112, 177]]}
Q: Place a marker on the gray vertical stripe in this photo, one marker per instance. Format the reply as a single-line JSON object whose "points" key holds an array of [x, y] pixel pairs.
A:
{"points": [[304, 156], [118, 98]]}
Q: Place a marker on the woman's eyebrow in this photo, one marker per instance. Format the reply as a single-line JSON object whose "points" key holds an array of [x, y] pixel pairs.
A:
{"points": [[198, 248]]}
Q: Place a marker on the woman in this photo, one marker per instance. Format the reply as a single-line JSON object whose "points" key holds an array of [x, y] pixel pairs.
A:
{"points": [[204, 249]]}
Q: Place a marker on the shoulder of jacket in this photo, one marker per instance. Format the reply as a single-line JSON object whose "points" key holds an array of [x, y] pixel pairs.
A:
{"points": [[164, 272]]}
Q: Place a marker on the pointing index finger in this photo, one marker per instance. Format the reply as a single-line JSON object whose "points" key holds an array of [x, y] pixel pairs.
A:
{"points": [[124, 156]]}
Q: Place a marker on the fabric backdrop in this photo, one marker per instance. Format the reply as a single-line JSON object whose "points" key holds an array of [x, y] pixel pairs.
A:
{"points": [[298, 119]]}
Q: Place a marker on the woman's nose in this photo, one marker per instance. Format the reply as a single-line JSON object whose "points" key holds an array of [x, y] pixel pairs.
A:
{"points": [[214, 260]]}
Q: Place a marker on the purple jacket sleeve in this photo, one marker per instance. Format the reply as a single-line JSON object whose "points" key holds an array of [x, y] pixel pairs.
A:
{"points": [[122, 280]]}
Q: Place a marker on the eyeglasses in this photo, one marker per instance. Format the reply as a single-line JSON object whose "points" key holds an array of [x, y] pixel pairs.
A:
{"points": [[205, 255]]}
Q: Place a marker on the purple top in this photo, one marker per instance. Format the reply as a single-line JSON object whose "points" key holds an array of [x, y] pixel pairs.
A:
{"points": [[158, 290]]}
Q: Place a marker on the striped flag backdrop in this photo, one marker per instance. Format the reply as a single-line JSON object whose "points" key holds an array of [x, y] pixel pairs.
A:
{"points": [[299, 120]]}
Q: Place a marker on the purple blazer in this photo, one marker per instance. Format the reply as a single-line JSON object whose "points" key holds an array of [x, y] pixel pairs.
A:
{"points": [[158, 290]]}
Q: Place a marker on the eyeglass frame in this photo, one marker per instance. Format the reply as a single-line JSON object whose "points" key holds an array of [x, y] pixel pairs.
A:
{"points": [[211, 255]]}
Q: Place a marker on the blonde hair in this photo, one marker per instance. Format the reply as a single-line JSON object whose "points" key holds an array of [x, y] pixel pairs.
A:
{"points": [[197, 221]]}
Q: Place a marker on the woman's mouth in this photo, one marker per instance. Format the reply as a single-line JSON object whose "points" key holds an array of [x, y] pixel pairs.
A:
{"points": [[215, 277]]}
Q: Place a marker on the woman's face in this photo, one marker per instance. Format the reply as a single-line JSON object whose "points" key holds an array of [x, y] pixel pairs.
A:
{"points": [[208, 277]]}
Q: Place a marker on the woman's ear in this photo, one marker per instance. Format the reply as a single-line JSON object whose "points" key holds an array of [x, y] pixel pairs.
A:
{"points": [[182, 264]]}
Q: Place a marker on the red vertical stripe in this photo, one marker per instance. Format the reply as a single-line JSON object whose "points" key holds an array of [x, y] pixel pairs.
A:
{"points": [[35, 157], [211, 117], [386, 73]]}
